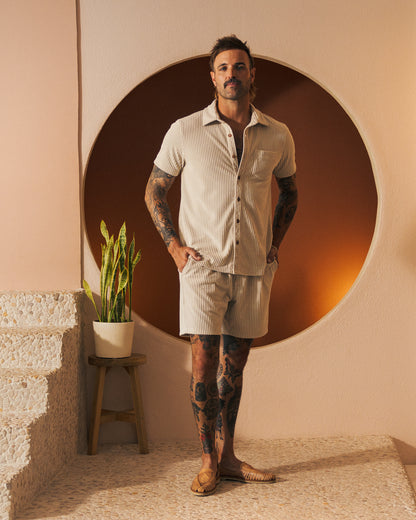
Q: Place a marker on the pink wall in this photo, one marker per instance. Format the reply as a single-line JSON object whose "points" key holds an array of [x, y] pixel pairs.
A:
{"points": [[352, 372], [39, 198]]}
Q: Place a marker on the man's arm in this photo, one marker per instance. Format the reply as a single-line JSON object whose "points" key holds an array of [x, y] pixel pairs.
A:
{"points": [[284, 213], [157, 189]]}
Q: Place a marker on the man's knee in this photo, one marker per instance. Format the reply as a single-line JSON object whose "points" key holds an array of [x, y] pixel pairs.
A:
{"points": [[237, 350], [205, 356]]}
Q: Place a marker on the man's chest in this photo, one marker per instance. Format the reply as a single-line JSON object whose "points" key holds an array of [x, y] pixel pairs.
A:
{"points": [[224, 152]]}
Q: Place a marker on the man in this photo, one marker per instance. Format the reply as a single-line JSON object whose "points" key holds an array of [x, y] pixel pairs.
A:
{"points": [[227, 248]]}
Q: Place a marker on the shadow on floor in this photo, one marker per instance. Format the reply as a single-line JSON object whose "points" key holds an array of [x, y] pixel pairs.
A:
{"points": [[347, 459]]}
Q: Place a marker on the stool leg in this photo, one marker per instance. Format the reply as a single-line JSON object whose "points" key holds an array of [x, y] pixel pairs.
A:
{"points": [[138, 409], [96, 411]]}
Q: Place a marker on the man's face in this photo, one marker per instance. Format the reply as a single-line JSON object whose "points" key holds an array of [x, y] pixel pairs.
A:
{"points": [[232, 76]]}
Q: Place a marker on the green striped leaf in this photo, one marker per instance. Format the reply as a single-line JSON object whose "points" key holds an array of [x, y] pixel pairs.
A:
{"points": [[113, 284], [107, 269], [88, 292], [122, 238], [117, 309], [104, 232]]}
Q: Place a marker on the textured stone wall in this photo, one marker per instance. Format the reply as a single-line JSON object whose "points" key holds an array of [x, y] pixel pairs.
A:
{"points": [[42, 391]]}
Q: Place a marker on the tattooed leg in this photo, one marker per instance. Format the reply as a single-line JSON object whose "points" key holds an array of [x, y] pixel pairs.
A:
{"points": [[233, 359], [204, 393]]}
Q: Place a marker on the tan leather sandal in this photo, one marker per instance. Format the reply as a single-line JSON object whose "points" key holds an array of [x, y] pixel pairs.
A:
{"points": [[205, 483], [247, 473]]}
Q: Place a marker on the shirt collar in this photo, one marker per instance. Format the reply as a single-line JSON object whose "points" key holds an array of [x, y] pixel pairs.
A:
{"points": [[210, 115]]}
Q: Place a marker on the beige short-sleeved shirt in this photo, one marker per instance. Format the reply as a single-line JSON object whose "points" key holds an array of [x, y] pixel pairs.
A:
{"points": [[225, 211]]}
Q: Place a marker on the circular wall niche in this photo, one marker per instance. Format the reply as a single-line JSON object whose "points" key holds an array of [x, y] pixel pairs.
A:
{"points": [[329, 239]]}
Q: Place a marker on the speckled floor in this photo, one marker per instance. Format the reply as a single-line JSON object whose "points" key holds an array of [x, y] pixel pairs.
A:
{"points": [[319, 479]]}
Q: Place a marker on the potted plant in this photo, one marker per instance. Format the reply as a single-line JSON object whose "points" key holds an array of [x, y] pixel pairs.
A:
{"points": [[113, 332]]}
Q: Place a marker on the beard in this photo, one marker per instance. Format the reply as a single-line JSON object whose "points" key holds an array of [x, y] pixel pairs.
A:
{"points": [[238, 90]]}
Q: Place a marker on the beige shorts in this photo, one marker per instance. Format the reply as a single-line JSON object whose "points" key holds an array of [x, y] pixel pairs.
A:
{"points": [[212, 302]]}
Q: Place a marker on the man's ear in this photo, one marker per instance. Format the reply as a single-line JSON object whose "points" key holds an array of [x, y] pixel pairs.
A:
{"points": [[213, 78], [253, 74]]}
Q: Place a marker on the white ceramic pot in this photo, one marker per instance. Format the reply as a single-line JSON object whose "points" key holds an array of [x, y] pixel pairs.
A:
{"points": [[113, 340]]}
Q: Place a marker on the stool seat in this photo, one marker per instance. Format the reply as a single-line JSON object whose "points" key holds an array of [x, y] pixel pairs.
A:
{"points": [[134, 360], [100, 416]]}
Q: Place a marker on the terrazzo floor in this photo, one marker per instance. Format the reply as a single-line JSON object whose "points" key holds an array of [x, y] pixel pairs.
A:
{"points": [[318, 479]]}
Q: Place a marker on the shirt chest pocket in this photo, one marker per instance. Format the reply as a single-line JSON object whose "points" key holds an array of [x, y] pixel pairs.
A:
{"points": [[264, 163]]}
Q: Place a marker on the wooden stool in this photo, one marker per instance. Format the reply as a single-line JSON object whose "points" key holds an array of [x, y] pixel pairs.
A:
{"points": [[100, 416]]}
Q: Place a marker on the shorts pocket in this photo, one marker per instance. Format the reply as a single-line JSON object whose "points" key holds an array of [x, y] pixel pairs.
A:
{"points": [[273, 266], [188, 265]]}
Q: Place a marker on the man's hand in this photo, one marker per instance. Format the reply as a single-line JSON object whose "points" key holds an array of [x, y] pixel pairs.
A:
{"points": [[273, 255], [181, 254]]}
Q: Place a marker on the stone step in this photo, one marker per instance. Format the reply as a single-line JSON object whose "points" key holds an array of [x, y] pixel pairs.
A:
{"points": [[42, 416], [10, 490], [24, 390], [15, 432], [36, 445], [34, 309], [31, 347]]}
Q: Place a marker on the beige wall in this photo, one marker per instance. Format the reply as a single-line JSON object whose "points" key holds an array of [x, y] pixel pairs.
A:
{"points": [[353, 372], [39, 198]]}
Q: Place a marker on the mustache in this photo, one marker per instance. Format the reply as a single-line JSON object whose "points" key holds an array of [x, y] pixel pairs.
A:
{"points": [[232, 80]]}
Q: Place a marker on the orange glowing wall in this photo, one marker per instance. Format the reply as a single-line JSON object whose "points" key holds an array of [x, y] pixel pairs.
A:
{"points": [[329, 240]]}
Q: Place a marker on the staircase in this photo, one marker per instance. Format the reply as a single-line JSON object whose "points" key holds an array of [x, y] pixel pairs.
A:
{"points": [[42, 410]]}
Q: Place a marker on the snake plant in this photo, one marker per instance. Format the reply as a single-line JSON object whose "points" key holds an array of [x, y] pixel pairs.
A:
{"points": [[116, 278]]}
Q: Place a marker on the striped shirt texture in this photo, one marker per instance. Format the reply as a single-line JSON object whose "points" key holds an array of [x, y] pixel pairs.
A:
{"points": [[225, 210]]}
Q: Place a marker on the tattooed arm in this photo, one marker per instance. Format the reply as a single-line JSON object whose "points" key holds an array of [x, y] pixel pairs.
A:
{"points": [[284, 213], [157, 189]]}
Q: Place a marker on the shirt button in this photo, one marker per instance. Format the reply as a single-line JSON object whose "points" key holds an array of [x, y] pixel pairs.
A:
{"points": [[238, 199], [234, 157], [230, 135], [238, 221], [237, 242], [239, 177]]}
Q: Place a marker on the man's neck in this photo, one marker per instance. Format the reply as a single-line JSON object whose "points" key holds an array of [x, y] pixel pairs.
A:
{"points": [[235, 112]]}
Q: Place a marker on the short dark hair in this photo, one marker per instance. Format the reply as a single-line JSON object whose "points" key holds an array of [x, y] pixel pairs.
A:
{"points": [[227, 43]]}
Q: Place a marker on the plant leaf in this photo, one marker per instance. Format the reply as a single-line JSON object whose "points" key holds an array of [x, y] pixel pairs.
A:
{"points": [[115, 251], [106, 268], [88, 292], [117, 309], [122, 238], [123, 280], [104, 231], [137, 258], [112, 284]]}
